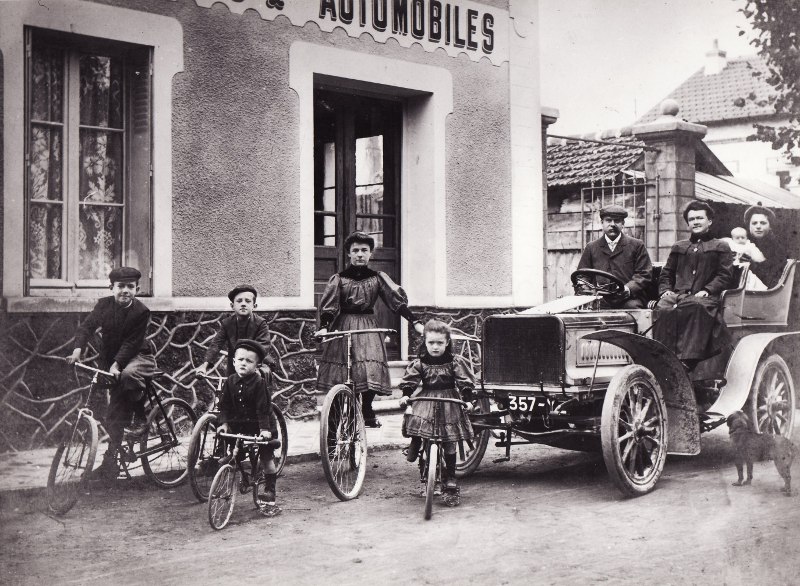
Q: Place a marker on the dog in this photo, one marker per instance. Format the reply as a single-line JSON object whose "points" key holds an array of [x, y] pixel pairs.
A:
{"points": [[750, 446]]}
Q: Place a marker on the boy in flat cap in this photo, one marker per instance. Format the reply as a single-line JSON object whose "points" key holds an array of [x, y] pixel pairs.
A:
{"points": [[125, 352], [242, 324], [245, 407], [623, 256]]}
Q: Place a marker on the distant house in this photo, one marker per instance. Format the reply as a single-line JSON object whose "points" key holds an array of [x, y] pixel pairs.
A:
{"points": [[728, 96]]}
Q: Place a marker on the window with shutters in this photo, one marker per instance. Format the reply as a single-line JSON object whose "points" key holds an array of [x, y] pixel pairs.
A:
{"points": [[88, 161]]}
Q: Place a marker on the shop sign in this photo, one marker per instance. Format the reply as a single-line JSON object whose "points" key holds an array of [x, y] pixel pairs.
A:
{"points": [[457, 27]]}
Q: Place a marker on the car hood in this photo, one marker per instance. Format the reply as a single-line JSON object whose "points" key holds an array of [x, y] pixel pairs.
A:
{"points": [[562, 304]]}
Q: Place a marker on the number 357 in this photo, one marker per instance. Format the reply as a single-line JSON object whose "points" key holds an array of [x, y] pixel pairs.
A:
{"points": [[521, 403]]}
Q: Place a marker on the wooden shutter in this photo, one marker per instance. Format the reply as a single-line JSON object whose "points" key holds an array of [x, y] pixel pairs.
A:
{"points": [[139, 249]]}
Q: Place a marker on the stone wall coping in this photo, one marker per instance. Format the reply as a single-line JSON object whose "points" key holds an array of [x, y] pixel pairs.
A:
{"points": [[85, 304], [665, 125]]}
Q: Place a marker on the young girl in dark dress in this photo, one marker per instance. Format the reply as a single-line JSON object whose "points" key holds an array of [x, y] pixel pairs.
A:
{"points": [[442, 375], [348, 304]]}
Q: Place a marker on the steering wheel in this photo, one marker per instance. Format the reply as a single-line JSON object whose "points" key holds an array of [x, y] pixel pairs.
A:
{"points": [[586, 279]]}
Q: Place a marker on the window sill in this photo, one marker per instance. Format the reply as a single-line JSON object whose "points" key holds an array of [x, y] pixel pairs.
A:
{"points": [[159, 304]]}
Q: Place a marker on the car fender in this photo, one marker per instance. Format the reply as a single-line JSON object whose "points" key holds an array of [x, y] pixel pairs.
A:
{"points": [[741, 370], [683, 426]]}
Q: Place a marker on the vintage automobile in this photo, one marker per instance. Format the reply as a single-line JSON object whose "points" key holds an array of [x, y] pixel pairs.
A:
{"points": [[569, 375]]}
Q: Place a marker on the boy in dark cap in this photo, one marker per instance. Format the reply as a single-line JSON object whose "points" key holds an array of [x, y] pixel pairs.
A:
{"points": [[245, 407], [125, 352], [243, 324], [623, 256]]}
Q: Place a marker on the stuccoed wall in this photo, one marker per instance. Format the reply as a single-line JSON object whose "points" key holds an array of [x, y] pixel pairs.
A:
{"points": [[2, 166], [235, 149]]}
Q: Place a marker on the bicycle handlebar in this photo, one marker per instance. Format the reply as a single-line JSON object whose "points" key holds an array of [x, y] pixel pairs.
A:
{"points": [[248, 438], [465, 337], [209, 377], [256, 439], [92, 369], [439, 400], [354, 332]]}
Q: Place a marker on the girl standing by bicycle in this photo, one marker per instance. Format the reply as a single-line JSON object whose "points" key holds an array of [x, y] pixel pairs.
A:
{"points": [[442, 375], [347, 304]]}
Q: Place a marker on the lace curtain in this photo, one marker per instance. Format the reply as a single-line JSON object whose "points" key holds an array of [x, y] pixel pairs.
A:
{"points": [[100, 209], [45, 171], [99, 224]]}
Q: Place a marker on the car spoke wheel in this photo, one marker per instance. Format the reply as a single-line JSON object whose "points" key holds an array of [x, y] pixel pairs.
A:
{"points": [[634, 430], [72, 466], [204, 455], [343, 442], [222, 497], [772, 398], [166, 443], [470, 452]]}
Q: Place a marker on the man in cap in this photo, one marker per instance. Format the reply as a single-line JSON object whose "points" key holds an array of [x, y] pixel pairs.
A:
{"points": [[125, 352], [623, 256], [242, 324]]}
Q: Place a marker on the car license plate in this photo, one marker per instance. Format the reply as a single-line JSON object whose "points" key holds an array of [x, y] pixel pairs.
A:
{"points": [[525, 404]]}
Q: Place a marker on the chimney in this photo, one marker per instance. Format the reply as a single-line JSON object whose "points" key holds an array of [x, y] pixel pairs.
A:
{"points": [[715, 60]]}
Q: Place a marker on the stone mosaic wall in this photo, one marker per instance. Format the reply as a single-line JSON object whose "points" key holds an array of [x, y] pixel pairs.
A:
{"points": [[40, 394]]}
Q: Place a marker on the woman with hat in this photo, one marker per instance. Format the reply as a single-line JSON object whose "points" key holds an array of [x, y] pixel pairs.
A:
{"points": [[348, 304], [768, 267]]}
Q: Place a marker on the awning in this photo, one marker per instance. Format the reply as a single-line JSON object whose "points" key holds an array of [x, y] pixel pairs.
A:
{"points": [[737, 190]]}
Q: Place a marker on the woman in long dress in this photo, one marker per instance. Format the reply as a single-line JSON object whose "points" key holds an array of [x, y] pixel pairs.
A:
{"points": [[348, 303]]}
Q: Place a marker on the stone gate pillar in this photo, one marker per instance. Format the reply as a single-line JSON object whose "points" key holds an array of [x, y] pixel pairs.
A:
{"points": [[670, 175]]}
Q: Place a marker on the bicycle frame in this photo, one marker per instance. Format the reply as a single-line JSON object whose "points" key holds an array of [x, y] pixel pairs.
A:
{"points": [[426, 466], [350, 438], [244, 441], [153, 399], [330, 336]]}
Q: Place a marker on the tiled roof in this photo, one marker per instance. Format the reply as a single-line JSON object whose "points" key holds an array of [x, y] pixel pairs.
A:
{"points": [[574, 162], [714, 98]]}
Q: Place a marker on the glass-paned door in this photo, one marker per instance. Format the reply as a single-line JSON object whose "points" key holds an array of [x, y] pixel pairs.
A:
{"points": [[357, 144]]}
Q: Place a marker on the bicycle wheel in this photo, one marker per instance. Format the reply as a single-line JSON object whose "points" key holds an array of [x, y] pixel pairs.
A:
{"points": [[204, 455], [433, 469], [222, 497], [164, 451], [343, 442], [283, 436], [72, 465]]}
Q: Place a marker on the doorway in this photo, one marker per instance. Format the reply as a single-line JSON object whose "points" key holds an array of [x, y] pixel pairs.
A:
{"points": [[357, 148]]}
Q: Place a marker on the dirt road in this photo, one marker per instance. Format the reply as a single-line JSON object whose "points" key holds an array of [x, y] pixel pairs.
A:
{"points": [[546, 517]]}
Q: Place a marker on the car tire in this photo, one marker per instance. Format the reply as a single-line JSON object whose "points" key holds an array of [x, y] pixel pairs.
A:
{"points": [[771, 403], [633, 430]]}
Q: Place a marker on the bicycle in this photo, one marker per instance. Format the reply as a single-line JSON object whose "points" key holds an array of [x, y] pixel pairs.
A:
{"points": [[342, 436], [222, 494], [161, 450], [205, 449], [431, 452]]}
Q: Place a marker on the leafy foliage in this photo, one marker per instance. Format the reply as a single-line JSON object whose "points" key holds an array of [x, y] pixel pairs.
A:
{"points": [[777, 27]]}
